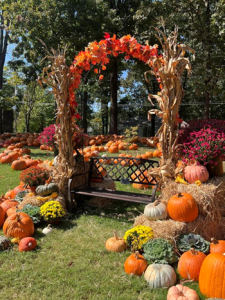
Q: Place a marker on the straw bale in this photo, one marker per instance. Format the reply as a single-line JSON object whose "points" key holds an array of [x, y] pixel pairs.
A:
{"points": [[210, 198], [32, 199]]}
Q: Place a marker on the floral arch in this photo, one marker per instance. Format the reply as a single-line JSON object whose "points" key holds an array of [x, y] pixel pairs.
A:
{"points": [[167, 68]]}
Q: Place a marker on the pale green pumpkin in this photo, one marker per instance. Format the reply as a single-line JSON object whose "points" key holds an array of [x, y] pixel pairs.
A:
{"points": [[47, 189]]}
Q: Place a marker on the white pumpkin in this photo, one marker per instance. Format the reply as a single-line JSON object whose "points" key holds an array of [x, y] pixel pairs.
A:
{"points": [[160, 276], [155, 211]]}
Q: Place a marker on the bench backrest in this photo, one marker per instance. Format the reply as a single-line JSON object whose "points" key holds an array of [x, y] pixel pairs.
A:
{"points": [[123, 169]]}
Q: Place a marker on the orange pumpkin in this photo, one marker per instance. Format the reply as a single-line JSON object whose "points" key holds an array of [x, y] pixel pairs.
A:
{"points": [[27, 244], [16, 190], [18, 225], [133, 147], [157, 153], [180, 292], [113, 149], [135, 264], [217, 246], [8, 204], [2, 216], [190, 263], [116, 244], [19, 165], [196, 172], [11, 210], [211, 277], [182, 207]]}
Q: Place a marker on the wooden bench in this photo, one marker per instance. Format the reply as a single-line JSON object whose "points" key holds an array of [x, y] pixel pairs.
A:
{"points": [[126, 170]]}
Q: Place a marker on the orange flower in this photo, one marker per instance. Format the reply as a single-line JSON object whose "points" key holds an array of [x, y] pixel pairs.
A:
{"points": [[103, 68], [101, 77], [96, 71]]}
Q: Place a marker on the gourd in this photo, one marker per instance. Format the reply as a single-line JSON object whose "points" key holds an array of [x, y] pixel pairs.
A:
{"points": [[217, 246], [27, 244], [180, 292], [160, 276], [190, 264], [135, 264], [182, 207], [4, 243], [116, 244], [155, 211], [52, 196], [193, 173], [18, 225], [211, 277], [47, 189]]}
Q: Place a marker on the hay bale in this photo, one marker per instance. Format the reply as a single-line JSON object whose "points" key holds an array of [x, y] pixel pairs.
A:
{"points": [[210, 198]]}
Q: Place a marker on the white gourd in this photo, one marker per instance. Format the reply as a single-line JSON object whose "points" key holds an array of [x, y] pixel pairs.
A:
{"points": [[160, 276], [155, 211], [47, 229]]}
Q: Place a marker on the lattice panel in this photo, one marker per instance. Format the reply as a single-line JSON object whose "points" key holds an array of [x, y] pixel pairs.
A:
{"points": [[127, 170]]}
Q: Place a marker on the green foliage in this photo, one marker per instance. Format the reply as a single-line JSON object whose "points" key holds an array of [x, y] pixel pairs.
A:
{"points": [[33, 212], [130, 133], [159, 251], [188, 241]]}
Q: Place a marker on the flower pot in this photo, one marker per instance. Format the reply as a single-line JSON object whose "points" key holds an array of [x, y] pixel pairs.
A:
{"points": [[216, 170], [54, 222], [33, 188]]}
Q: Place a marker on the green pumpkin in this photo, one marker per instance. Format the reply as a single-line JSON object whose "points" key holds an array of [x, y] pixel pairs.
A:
{"points": [[47, 189], [4, 243]]}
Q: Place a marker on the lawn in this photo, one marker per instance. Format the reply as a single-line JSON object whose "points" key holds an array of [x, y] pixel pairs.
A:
{"points": [[72, 262]]}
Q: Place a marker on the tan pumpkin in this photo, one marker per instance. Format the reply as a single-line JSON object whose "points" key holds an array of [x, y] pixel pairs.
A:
{"points": [[116, 244], [194, 172], [160, 276], [156, 211], [180, 292]]}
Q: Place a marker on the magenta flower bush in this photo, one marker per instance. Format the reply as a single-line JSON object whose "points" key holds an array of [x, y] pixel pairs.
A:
{"points": [[204, 146], [47, 137]]}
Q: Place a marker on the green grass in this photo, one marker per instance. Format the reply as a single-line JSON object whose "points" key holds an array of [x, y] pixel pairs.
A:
{"points": [[72, 262]]}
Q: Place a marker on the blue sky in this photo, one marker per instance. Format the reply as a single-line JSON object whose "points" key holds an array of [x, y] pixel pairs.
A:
{"points": [[9, 52]]}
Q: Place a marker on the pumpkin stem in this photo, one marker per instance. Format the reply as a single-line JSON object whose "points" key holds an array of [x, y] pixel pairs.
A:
{"points": [[17, 217], [214, 241], [179, 195], [157, 202], [193, 251], [136, 254], [115, 235]]}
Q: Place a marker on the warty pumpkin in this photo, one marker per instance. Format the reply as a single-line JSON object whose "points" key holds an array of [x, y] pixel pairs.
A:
{"points": [[18, 225], [135, 264], [47, 189], [2, 216], [182, 207], [190, 263], [116, 244], [180, 292], [211, 277]]}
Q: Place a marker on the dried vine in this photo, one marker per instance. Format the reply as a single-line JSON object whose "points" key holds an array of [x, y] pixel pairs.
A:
{"points": [[168, 70]]}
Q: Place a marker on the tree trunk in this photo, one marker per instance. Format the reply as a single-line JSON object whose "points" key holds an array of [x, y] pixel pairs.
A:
{"points": [[113, 98]]}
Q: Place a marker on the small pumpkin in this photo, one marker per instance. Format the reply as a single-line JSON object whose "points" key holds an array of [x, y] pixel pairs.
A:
{"points": [[217, 246], [8, 204], [180, 292], [116, 244], [182, 207], [135, 264], [18, 225], [190, 263], [211, 277], [27, 244], [47, 189], [160, 276], [156, 210], [194, 172]]}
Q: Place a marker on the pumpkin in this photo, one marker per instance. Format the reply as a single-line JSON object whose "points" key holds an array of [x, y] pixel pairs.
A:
{"points": [[8, 204], [18, 225], [47, 189], [31, 162], [116, 244], [27, 244], [160, 276], [8, 194], [190, 263], [113, 149], [11, 210], [193, 173], [19, 165], [16, 190], [99, 173], [182, 207], [211, 277], [217, 246], [135, 264], [180, 292], [10, 158], [155, 211], [2, 216], [157, 153], [133, 147]]}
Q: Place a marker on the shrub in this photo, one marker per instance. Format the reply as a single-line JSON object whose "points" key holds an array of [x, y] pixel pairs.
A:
{"points": [[34, 176]]}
